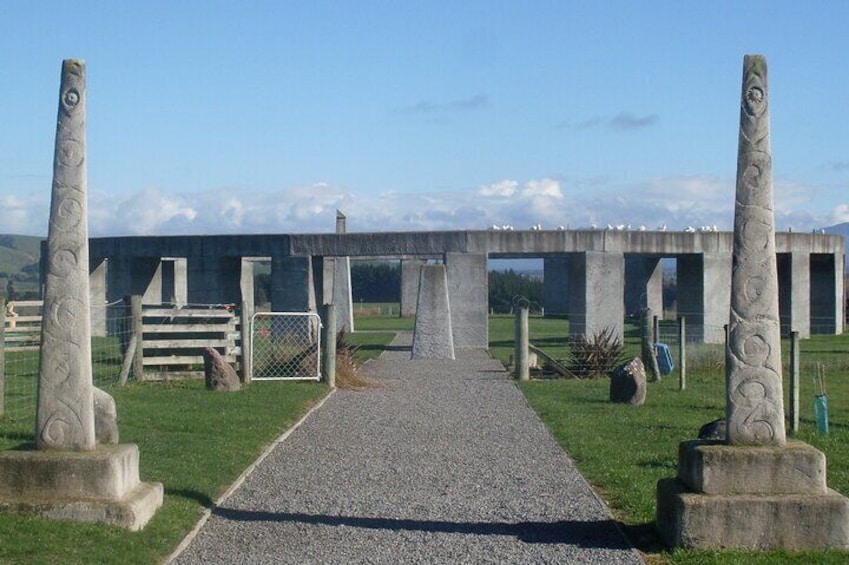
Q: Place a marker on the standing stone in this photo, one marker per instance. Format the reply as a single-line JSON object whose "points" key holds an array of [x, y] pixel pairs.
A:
{"points": [[755, 409], [65, 412], [219, 375], [433, 337], [105, 418], [628, 383], [755, 491], [342, 297]]}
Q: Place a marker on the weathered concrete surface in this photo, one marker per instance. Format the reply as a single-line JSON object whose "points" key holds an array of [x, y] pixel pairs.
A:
{"points": [[342, 294], [292, 285], [704, 294], [70, 476], [65, 411], [556, 285], [794, 293], [597, 302], [643, 285], [755, 406], [101, 485], [704, 264], [793, 522], [410, 274], [756, 492], [515, 244], [713, 467], [105, 417], [468, 294], [433, 337]]}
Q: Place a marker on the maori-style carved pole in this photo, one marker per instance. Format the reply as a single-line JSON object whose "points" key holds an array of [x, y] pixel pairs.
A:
{"points": [[65, 413], [755, 406]]}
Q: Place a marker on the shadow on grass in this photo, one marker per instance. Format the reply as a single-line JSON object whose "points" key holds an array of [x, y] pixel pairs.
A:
{"points": [[199, 497], [644, 537], [381, 348], [599, 533]]}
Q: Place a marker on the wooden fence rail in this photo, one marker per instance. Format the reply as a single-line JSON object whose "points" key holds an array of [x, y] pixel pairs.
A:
{"points": [[174, 337], [23, 325]]}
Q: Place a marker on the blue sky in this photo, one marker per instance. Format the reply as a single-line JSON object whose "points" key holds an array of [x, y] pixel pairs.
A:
{"points": [[265, 117]]}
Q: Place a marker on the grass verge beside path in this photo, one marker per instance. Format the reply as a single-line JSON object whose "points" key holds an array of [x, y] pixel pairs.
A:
{"points": [[624, 450], [193, 441]]}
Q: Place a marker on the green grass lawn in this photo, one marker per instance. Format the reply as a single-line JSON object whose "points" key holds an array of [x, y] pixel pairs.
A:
{"points": [[624, 450], [193, 441], [196, 443]]}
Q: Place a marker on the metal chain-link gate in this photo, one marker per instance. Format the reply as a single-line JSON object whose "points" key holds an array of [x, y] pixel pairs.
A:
{"points": [[286, 346]]}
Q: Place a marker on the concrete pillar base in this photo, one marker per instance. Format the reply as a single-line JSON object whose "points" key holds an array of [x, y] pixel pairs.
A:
{"points": [[84, 486], [751, 498]]}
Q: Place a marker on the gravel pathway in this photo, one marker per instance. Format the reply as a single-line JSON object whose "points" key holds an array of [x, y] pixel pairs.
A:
{"points": [[441, 462]]}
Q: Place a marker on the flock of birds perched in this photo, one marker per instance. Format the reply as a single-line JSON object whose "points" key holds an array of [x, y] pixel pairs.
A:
{"points": [[610, 227], [624, 227]]}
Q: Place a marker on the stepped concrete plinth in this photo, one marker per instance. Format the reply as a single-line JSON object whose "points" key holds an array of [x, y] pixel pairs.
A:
{"points": [[713, 467], [751, 497], [100, 485]]}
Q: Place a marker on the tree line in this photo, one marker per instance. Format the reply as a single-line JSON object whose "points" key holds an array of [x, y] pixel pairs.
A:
{"points": [[380, 281]]}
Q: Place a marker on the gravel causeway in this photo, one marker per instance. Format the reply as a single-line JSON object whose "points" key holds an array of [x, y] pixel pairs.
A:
{"points": [[440, 462]]}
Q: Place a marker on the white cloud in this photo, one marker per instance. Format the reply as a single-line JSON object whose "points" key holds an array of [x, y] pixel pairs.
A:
{"points": [[676, 201], [24, 216], [546, 187], [503, 189], [840, 214]]}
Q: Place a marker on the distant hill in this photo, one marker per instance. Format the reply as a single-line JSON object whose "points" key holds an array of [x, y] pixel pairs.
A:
{"points": [[839, 229], [19, 258]]}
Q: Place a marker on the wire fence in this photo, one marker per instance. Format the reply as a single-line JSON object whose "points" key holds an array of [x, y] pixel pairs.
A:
{"points": [[285, 346], [21, 368], [705, 372]]}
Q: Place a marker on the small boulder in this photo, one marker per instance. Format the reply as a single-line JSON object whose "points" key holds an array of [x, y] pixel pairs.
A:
{"points": [[219, 374], [628, 383], [716, 430], [105, 418]]}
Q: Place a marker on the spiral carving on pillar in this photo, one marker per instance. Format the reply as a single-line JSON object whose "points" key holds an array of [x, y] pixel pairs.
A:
{"points": [[755, 407]]}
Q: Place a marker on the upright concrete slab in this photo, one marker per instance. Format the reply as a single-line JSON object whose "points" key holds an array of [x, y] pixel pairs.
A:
{"points": [[341, 281], [596, 293], [643, 285], [292, 284], [97, 293], [555, 285], [69, 476], [826, 298], [468, 293], [410, 274], [704, 294], [174, 280], [214, 278], [432, 335], [131, 276], [794, 292], [246, 282], [342, 294], [754, 491]]}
